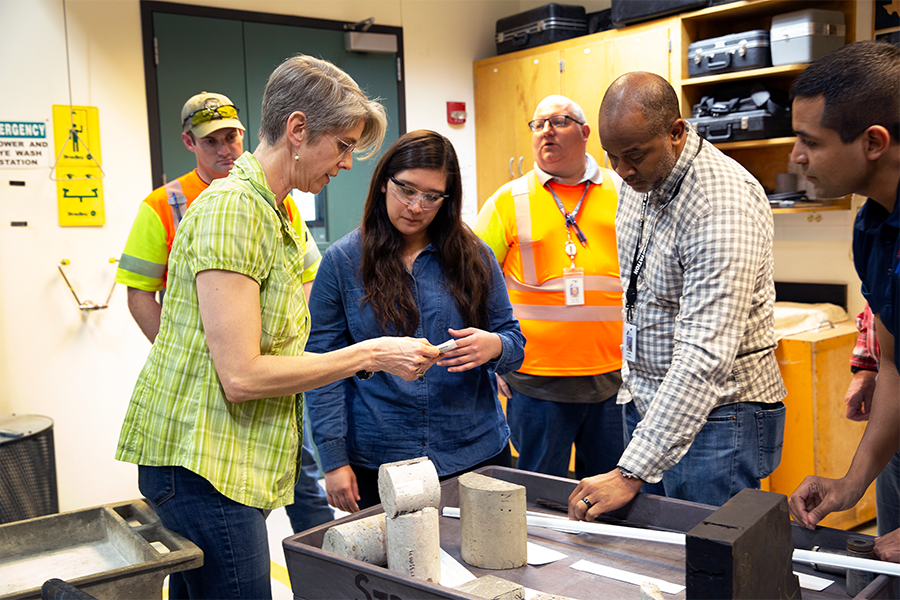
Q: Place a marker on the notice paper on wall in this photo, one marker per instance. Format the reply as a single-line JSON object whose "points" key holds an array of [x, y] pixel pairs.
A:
{"points": [[23, 145]]}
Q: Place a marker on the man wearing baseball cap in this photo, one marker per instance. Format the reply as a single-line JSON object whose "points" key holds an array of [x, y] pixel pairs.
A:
{"points": [[211, 130]]}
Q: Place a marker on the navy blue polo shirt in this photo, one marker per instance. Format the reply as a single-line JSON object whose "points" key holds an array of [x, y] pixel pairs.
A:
{"points": [[876, 255]]}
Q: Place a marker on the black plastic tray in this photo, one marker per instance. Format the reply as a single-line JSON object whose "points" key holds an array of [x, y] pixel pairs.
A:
{"points": [[316, 574]]}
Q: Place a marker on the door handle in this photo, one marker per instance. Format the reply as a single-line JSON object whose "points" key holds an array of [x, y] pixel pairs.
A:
{"points": [[511, 159], [521, 158]]}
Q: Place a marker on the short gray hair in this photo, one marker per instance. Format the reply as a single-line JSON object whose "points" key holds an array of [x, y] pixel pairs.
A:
{"points": [[573, 107], [329, 98]]}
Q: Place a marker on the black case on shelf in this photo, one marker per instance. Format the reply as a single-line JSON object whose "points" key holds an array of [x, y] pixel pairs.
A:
{"points": [[600, 21], [625, 12], [730, 53], [741, 113], [538, 26]]}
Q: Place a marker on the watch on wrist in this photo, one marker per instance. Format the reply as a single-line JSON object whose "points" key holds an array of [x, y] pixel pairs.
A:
{"points": [[628, 474], [363, 375]]}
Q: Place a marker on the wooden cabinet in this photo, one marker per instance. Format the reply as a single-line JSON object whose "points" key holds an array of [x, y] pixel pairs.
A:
{"points": [[763, 158], [818, 438], [589, 68], [508, 87]]}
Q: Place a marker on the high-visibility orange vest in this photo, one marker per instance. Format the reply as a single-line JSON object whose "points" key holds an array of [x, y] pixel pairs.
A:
{"points": [[523, 225], [143, 262]]}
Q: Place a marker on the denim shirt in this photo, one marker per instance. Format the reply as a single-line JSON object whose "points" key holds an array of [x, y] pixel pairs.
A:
{"points": [[453, 418]]}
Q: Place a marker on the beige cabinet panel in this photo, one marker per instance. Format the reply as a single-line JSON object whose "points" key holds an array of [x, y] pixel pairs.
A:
{"points": [[506, 93], [818, 438]]}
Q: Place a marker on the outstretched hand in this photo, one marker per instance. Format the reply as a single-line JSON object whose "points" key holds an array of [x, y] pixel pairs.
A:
{"points": [[341, 488], [406, 357], [604, 493], [816, 497], [474, 347], [887, 547], [859, 395]]}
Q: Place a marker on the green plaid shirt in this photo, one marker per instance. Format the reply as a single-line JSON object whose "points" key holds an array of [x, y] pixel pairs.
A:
{"points": [[178, 413]]}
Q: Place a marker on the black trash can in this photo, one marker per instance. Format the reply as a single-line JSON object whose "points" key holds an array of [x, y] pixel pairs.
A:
{"points": [[27, 468]]}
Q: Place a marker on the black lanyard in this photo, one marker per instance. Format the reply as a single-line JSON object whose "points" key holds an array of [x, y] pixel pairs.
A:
{"points": [[570, 217], [637, 264]]}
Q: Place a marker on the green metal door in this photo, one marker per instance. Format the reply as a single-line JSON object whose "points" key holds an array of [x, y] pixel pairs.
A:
{"points": [[235, 57]]}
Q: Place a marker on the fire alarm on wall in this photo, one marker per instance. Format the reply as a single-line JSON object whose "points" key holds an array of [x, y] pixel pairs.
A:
{"points": [[456, 113]]}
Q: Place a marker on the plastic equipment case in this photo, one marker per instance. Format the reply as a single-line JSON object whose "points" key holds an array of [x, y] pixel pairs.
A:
{"points": [[729, 53], [736, 114], [539, 26], [805, 36], [626, 12]]}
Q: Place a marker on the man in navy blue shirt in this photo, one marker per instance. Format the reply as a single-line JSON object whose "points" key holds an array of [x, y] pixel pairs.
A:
{"points": [[846, 115]]}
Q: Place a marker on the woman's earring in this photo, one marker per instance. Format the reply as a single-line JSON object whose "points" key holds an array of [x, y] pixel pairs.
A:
{"points": [[296, 154]]}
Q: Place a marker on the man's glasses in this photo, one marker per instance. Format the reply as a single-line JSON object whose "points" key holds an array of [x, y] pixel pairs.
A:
{"points": [[556, 122], [205, 115], [343, 147], [409, 196]]}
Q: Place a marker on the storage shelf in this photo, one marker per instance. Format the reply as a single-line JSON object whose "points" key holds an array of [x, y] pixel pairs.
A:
{"points": [[747, 9], [767, 143], [784, 70], [839, 205]]}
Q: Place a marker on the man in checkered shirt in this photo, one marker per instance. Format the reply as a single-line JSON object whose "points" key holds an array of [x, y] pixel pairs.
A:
{"points": [[701, 387]]}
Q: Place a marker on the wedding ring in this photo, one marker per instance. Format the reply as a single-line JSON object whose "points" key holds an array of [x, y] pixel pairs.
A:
{"points": [[586, 501]]}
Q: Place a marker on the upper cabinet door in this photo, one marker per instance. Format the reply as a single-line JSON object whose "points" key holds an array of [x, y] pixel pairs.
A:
{"points": [[590, 68], [506, 94]]}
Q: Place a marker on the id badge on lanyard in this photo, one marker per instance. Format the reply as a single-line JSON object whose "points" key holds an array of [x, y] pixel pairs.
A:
{"points": [[629, 342], [573, 279]]}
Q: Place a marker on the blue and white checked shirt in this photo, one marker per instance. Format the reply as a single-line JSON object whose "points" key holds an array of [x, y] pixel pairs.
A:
{"points": [[704, 311]]}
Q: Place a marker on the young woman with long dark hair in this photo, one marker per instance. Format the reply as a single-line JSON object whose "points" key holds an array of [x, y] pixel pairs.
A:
{"points": [[413, 268]]}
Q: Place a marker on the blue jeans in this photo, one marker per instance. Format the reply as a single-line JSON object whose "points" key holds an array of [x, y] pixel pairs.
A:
{"points": [[739, 445], [310, 507], [887, 496], [233, 536], [543, 433]]}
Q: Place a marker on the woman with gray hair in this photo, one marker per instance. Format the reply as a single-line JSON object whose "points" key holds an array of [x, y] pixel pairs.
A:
{"points": [[214, 419]]}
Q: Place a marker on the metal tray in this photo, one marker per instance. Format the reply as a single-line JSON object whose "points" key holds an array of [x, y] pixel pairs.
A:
{"points": [[116, 551], [316, 574]]}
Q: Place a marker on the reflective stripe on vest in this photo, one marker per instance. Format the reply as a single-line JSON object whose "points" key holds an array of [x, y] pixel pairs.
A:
{"points": [[571, 313], [592, 283], [177, 200], [523, 227]]}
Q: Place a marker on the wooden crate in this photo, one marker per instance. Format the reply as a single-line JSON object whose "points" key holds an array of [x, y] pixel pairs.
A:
{"points": [[818, 438]]}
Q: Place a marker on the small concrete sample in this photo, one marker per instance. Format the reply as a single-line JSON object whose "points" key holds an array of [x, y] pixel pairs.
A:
{"points": [[414, 544], [493, 588], [492, 518], [362, 540], [650, 591], [408, 485], [743, 550]]}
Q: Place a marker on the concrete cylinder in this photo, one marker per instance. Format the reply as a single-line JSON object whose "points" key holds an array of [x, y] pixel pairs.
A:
{"points": [[363, 539], [414, 544], [408, 485], [492, 517]]}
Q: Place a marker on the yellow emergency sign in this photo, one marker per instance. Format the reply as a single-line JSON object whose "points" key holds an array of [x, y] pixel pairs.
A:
{"points": [[78, 173]]}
